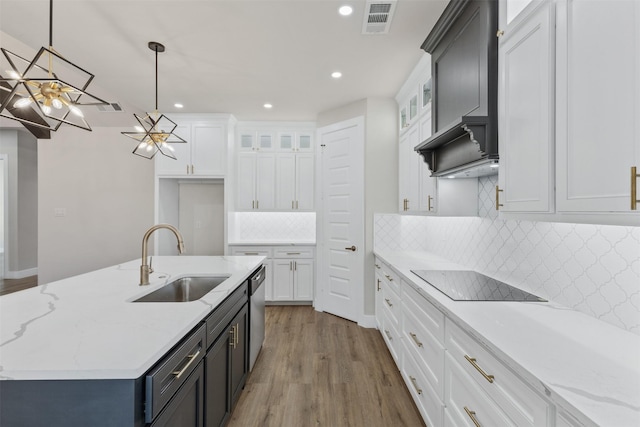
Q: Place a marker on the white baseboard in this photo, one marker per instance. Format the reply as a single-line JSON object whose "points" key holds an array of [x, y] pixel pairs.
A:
{"points": [[368, 321], [21, 274]]}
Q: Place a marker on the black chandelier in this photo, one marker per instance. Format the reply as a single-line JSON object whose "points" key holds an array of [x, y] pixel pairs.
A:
{"points": [[47, 91], [157, 129]]}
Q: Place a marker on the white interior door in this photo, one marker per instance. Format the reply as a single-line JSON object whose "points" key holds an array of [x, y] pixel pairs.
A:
{"points": [[341, 226]]}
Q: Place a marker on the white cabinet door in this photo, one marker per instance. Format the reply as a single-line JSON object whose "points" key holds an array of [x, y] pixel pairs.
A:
{"points": [[286, 181], [428, 185], [526, 114], [305, 181], [282, 280], [303, 279], [268, 279], [265, 181], [379, 299], [208, 150], [510, 11], [181, 165], [304, 141], [246, 181], [409, 171], [598, 104]]}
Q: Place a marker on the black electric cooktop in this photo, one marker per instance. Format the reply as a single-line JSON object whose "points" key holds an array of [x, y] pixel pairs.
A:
{"points": [[462, 285]]}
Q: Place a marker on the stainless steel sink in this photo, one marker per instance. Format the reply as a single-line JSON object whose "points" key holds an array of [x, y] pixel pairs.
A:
{"points": [[184, 289]]}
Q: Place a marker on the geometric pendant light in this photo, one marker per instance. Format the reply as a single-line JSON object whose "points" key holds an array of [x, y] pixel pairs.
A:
{"points": [[47, 91], [156, 131]]}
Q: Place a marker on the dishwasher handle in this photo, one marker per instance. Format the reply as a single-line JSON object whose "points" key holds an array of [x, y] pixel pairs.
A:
{"points": [[257, 279]]}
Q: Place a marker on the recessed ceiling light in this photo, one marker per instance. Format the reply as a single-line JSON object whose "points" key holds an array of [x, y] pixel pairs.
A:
{"points": [[178, 105], [336, 74], [267, 106], [345, 10]]}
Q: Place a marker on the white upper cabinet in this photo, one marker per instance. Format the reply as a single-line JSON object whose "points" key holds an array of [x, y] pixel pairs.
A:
{"points": [[526, 114], [569, 108], [598, 105], [204, 154], [282, 156], [510, 12]]}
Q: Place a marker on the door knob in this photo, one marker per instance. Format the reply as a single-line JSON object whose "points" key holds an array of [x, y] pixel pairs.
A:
{"points": [[352, 248]]}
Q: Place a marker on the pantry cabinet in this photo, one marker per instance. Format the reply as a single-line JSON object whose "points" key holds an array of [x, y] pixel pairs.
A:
{"points": [[256, 181], [205, 152], [275, 167], [295, 177], [569, 103]]}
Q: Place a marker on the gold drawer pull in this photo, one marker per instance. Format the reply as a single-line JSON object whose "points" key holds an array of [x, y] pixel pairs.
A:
{"points": [[378, 284], [415, 384], [415, 339], [293, 253], [251, 253], [377, 266], [471, 360], [232, 341], [388, 302], [498, 204], [472, 415], [634, 188], [389, 277], [388, 335], [192, 357]]}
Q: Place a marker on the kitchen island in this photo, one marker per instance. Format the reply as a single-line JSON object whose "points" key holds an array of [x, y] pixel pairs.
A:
{"points": [[87, 330]]}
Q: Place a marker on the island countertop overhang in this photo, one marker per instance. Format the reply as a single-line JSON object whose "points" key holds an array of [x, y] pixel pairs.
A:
{"points": [[87, 327]]}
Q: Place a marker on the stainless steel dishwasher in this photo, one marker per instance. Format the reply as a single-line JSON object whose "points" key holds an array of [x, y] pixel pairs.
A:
{"points": [[256, 314]]}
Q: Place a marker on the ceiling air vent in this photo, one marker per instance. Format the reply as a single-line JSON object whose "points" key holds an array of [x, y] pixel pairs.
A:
{"points": [[110, 108], [377, 16]]}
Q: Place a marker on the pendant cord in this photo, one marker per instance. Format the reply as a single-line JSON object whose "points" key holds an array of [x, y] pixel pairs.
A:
{"points": [[50, 23], [156, 49]]}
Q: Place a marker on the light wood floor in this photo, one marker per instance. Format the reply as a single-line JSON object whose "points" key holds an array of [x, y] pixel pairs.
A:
{"points": [[13, 285], [316, 369]]}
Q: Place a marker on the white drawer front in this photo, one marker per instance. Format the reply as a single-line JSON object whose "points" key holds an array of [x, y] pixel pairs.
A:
{"points": [[429, 403], [391, 336], [429, 316], [265, 251], [390, 278], [392, 303], [523, 405], [466, 402], [293, 252], [427, 351]]}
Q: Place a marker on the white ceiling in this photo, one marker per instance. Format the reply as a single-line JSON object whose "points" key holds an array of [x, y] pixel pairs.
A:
{"points": [[229, 56]]}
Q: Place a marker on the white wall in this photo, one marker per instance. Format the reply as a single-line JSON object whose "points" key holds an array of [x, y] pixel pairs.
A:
{"points": [[106, 194], [19, 147]]}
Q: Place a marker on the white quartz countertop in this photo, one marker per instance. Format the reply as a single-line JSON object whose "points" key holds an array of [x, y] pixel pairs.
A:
{"points": [[86, 327], [273, 243], [588, 367]]}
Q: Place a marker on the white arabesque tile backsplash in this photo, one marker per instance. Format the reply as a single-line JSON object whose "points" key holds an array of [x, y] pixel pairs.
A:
{"points": [[594, 269], [265, 227]]}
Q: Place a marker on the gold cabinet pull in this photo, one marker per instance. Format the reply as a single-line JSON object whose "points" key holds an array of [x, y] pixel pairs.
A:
{"points": [[471, 360], [237, 334], [378, 284], [388, 302], [232, 341], [257, 204], [377, 266], [191, 358], [293, 204], [192, 169], [498, 204], [251, 253], [297, 205], [634, 188], [293, 253], [253, 204], [187, 169], [389, 277], [388, 334], [415, 384], [415, 339], [429, 199], [500, 33], [295, 265], [472, 415]]}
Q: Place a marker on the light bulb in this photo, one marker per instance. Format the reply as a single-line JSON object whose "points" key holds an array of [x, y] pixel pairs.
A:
{"points": [[46, 109], [13, 74], [149, 147], [22, 102], [75, 110], [57, 104]]}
